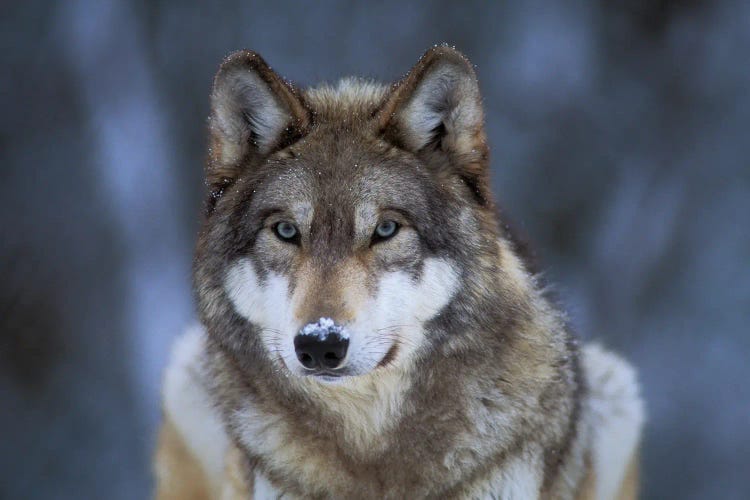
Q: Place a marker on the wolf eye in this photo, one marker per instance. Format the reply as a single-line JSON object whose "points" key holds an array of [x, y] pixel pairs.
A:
{"points": [[384, 230], [286, 231]]}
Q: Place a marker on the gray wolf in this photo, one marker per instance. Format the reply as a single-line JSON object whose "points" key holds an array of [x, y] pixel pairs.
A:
{"points": [[369, 326]]}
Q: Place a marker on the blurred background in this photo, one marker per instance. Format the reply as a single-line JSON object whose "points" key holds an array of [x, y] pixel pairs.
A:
{"points": [[620, 143]]}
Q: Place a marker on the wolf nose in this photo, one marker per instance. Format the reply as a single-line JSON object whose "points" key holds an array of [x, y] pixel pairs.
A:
{"points": [[321, 345]]}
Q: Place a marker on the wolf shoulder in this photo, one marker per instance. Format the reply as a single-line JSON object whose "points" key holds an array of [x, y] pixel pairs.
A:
{"points": [[614, 414], [192, 444]]}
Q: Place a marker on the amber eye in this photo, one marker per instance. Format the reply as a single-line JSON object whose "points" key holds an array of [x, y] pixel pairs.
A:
{"points": [[385, 230], [286, 231]]}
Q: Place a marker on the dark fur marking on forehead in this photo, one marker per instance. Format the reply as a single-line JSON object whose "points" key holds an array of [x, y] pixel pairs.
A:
{"points": [[331, 232]]}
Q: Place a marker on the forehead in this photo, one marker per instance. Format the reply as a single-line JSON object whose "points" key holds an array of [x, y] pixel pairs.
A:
{"points": [[343, 170]]}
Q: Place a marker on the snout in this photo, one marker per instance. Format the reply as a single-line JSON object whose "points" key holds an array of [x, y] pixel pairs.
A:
{"points": [[321, 345]]}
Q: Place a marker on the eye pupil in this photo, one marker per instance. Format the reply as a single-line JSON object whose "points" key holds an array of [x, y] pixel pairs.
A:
{"points": [[386, 229], [286, 230]]}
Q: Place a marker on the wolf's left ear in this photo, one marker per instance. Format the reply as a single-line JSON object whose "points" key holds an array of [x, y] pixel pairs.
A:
{"points": [[437, 110], [253, 112]]}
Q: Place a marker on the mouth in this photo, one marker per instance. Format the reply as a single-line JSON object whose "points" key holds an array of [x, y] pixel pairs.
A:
{"points": [[389, 356], [328, 377]]}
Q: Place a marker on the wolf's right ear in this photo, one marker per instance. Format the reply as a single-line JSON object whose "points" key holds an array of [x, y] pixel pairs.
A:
{"points": [[253, 111]]}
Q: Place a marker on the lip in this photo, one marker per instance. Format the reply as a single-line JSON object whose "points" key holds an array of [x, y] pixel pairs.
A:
{"points": [[342, 372], [389, 356], [328, 376]]}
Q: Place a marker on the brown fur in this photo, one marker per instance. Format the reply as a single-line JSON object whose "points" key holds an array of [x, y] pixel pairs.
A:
{"points": [[179, 472], [629, 488]]}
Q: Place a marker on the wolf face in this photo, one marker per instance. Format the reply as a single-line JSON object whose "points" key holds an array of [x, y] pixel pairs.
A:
{"points": [[338, 256], [342, 220]]}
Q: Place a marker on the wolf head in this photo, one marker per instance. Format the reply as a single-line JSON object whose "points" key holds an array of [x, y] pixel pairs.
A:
{"points": [[345, 222]]}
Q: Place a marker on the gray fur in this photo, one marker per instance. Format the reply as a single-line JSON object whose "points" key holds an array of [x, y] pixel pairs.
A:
{"points": [[494, 400]]}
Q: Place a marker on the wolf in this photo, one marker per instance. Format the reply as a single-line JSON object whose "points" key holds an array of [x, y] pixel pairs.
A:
{"points": [[370, 327]]}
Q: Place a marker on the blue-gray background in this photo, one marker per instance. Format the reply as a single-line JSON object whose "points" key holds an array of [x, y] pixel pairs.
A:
{"points": [[619, 134]]}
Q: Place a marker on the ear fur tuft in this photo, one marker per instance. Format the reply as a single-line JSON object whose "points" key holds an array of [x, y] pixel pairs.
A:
{"points": [[253, 111], [437, 107]]}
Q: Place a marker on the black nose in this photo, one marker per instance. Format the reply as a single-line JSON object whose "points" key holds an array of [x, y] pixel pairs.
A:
{"points": [[321, 345]]}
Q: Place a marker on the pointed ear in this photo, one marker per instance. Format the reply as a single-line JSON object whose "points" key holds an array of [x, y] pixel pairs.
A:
{"points": [[437, 110], [253, 112]]}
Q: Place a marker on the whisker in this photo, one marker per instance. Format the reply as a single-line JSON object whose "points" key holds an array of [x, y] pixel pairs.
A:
{"points": [[272, 330], [391, 327]]}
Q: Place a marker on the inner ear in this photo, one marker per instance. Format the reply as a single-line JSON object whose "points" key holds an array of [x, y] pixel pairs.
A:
{"points": [[435, 137], [253, 112]]}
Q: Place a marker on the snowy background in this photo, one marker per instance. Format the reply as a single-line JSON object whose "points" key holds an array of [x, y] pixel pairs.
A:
{"points": [[620, 141]]}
